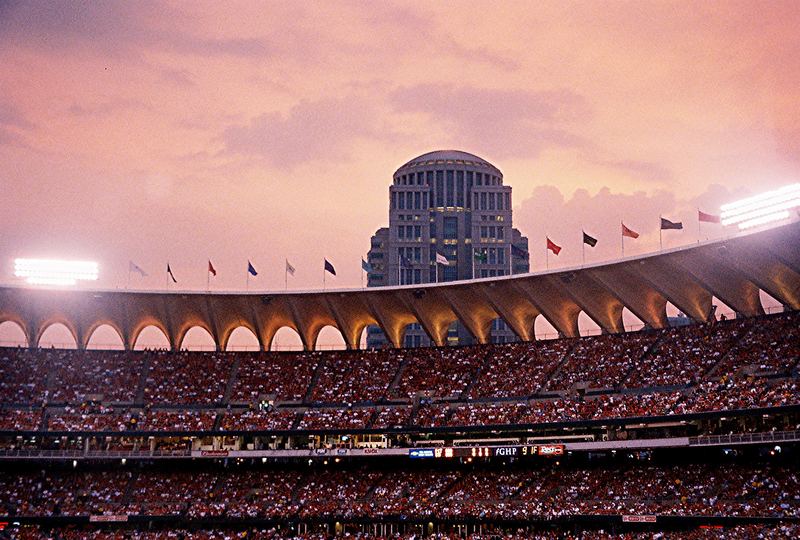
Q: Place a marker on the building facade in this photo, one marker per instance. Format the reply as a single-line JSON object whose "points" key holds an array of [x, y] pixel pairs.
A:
{"points": [[448, 204]]}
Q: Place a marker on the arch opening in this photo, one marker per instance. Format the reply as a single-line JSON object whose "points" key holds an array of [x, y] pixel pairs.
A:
{"points": [[12, 335], [329, 339], [414, 335], [105, 337], [542, 329], [769, 302], [58, 336], [197, 338], [242, 339], [587, 326], [286, 339], [720, 310], [630, 322], [151, 337]]}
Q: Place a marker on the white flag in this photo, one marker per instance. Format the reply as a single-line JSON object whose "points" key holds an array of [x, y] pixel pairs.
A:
{"points": [[133, 267], [289, 267], [441, 259]]}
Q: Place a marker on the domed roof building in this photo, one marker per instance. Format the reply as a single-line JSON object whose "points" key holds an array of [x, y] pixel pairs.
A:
{"points": [[446, 205]]}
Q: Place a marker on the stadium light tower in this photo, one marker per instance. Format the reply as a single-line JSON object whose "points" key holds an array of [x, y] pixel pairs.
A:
{"points": [[55, 272], [762, 209]]}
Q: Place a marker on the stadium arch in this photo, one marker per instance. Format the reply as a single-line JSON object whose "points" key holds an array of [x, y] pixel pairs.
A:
{"points": [[735, 270]]}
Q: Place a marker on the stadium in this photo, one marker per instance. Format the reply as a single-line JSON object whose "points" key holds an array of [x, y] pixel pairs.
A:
{"points": [[399, 270], [684, 430]]}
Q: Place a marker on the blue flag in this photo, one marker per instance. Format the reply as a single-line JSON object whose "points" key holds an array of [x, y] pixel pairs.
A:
{"points": [[329, 267], [250, 269], [365, 266]]}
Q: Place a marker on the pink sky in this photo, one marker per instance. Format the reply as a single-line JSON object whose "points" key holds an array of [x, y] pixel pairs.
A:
{"points": [[235, 131]]}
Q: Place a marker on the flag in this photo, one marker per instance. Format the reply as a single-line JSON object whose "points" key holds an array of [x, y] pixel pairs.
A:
{"points": [[133, 267], [589, 240], [329, 267], [211, 269], [250, 269], [667, 224], [441, 259], [518, 251], [553, 247], [289, 268], [365, 266], [630, 233], [708, 218], [480, 256], [169, 271]]}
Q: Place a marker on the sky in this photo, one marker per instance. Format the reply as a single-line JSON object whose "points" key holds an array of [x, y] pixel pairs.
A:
{"points": [[236, 131]]}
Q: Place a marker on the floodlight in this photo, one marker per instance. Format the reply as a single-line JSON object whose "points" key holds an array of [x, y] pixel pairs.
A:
{"points": [[762, 209], [55, 272]]}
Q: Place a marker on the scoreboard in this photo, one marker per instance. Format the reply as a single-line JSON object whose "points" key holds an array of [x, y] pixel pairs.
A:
{"points": [[522, 451]]}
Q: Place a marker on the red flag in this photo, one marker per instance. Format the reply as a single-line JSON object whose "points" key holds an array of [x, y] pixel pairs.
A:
{"points": [[708, 218], [553, 247], [211, 269], [630, 233]]}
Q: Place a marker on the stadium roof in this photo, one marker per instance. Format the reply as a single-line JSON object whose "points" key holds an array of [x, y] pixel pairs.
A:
{"points": [[733, 270]]}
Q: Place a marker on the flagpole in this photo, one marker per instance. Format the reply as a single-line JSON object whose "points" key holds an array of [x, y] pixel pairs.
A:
{"points": [[583, 249], [128, 286], [166, 280], [660, 234], [622, 239], [208, 279], [547, 257], [323, 275], [286, 274]]}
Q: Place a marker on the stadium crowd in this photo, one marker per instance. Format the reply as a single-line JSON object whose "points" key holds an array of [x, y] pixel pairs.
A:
{"points": [[510, 493], [729, 365]]}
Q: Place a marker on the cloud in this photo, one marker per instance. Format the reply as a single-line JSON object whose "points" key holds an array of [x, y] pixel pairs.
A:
{"points": [[507, 123], [640, 170], [107, 108], [12, 126], [115, 29], [311, 130]]}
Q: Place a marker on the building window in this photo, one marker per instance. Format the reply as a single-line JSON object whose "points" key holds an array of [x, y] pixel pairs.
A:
{"points": [[402, 200], [460, 188], [417, 200], [500, 233], [501, 256], [439, 188], [394, 200], [450, 227], [483, 200], [450, 189], [478, 179], [491, 201]]}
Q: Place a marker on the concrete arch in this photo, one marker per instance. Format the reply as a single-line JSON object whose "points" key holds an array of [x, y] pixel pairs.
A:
{"points": [[11, 331], [286, 338], [89, 331], [240, 338], [107, 330], [326, 339], [147, 332], [192, 338], [52, 326]]}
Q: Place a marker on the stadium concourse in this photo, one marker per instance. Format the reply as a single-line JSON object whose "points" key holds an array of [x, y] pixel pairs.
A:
{"points": [[685, 430]]}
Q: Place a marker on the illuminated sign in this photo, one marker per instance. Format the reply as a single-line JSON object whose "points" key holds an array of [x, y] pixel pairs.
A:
{"points": [[544, 450]]}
